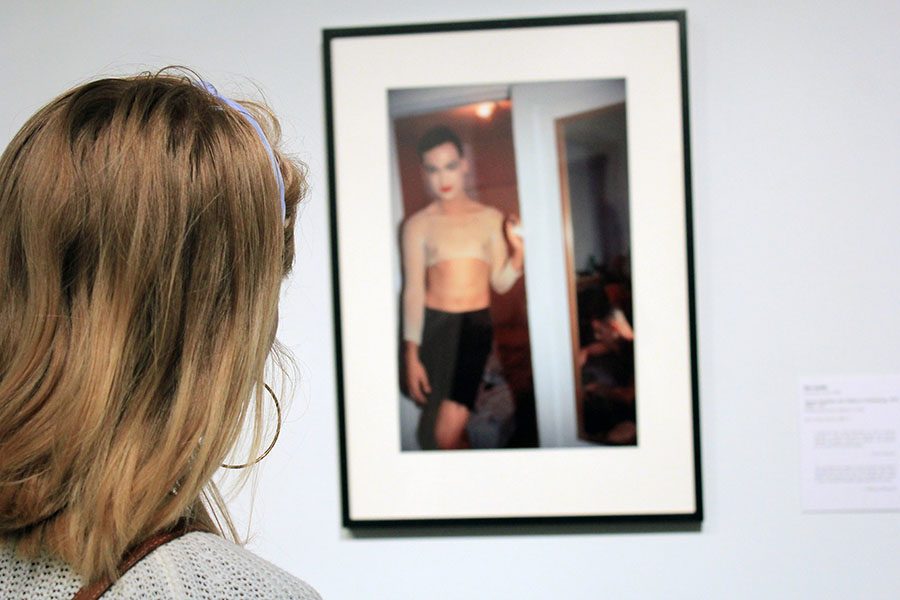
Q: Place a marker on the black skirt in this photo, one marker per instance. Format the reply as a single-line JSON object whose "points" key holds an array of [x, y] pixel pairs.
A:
{"points": [[454, 350]]}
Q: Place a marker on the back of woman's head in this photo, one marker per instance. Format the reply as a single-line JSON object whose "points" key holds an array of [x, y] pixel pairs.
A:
{"points": [[142, 246]]}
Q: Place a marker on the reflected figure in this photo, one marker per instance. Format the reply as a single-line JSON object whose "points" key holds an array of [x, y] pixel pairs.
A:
{"points": [[455, 251], [606, 362]]}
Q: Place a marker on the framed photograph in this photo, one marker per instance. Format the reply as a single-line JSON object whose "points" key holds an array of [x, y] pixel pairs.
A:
{"points": [[513, 279]]}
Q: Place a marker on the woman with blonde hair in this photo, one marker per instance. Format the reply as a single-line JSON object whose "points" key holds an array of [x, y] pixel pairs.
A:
{"points": [[146, 224]]}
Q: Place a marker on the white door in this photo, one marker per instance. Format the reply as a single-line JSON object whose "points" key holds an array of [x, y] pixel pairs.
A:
{"points": [[535, 108]]}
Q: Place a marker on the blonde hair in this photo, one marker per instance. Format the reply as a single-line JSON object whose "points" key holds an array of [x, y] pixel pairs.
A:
{"points": [[142, 247]]}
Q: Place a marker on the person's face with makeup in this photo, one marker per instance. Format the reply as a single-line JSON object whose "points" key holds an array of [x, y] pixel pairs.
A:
{"points": [[445, 171]]}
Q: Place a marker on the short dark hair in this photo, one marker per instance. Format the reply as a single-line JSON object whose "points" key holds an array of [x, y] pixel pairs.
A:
{"points": [[436, 136]]}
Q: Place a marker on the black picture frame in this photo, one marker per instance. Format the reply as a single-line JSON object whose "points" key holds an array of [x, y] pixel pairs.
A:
{"points": [[657, 478]]}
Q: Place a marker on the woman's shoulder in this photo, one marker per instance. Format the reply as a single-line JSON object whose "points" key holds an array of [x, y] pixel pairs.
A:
{"points": [[205, 565], [418, 223], [429, 211], [197, 565], [492, 213], [490, 217]]}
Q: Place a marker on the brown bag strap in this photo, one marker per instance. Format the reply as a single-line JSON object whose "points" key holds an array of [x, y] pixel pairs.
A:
{"points": [[99, 587]]}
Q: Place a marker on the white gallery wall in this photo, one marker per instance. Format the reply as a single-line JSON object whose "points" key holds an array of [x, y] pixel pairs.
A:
{"points": [[795, 133]]}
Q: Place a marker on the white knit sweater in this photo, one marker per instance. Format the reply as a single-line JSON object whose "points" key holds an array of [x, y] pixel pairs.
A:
{"points": [[194, 566]]}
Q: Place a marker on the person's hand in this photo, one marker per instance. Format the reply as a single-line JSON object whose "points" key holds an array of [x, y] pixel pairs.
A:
{"points": [[417, 379], [619, 323], [604, 333], [512, 227]]}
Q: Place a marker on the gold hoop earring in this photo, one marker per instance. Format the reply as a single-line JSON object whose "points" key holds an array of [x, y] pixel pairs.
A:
{"points": [[272, 445]]}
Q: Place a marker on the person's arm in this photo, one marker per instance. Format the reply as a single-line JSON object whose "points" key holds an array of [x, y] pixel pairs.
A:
{"points": [[414, 307], [506, 268]]}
